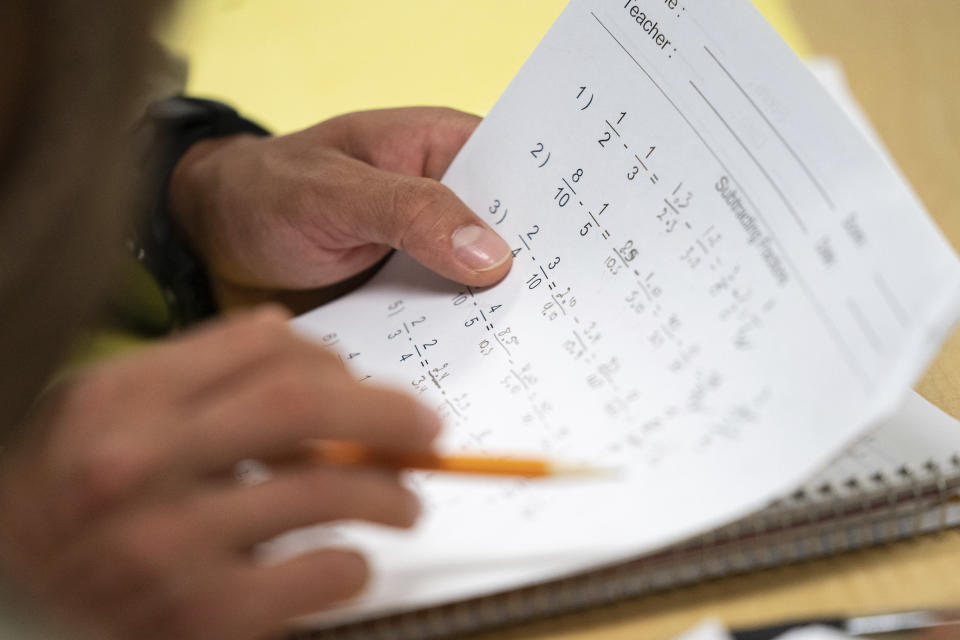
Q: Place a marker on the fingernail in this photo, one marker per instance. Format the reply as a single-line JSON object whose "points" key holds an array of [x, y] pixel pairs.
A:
{"points": [[479, 248]]}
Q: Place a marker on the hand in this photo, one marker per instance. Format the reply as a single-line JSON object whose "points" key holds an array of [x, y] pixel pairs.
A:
{"points": [[122, 511], [313, 208]]}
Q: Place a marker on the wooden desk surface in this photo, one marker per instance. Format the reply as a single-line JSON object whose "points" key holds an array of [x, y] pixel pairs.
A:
{"points": [[899, 68], [902, 72]]}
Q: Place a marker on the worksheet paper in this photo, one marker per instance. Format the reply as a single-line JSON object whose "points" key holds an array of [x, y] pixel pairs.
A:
{"points": [[718, 283]]}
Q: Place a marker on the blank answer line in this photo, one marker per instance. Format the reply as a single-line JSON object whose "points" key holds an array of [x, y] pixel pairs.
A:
{"points": [[783, 197], [891, 300], [842, 346], [796, 156], [865, 326]]}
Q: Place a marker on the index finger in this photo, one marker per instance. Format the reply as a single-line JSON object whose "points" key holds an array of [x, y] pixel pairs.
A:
{"points": [[270, 415], [189, 363], [414, 141]]}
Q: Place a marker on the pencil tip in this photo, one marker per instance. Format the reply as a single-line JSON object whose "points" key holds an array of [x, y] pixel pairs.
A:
{"points": [[582, 471]]}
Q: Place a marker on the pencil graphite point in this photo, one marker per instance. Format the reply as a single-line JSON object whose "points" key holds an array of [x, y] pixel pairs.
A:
{"points": [[562, 470]]}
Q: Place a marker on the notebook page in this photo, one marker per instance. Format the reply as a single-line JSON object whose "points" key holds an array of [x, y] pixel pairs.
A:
{"points": [[718, 283], [916, 434]]}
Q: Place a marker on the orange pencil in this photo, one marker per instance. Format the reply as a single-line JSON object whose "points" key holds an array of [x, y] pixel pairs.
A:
{"points": [[353, 454]]}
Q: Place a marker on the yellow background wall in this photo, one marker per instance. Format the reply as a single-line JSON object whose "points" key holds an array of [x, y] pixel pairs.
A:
{"points": [[291, 63]]}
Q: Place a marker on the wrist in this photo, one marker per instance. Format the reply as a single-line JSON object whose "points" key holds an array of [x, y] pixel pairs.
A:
{"points": [[194, 184], [173, 234]]}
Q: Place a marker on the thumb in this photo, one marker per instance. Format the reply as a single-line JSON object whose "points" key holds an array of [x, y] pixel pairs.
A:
{"points": [[428, 221]]}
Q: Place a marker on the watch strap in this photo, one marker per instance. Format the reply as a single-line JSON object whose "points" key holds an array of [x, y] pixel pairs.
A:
{"points": [[176, 124]]}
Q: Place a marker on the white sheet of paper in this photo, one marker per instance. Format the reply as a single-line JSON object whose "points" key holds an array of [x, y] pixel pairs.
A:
{"points": [[814, 632], [718, 284], [706, 630]]}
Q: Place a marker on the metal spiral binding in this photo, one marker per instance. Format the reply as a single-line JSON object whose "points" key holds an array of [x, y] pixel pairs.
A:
{"points": [[811, 523], [934, 470]]}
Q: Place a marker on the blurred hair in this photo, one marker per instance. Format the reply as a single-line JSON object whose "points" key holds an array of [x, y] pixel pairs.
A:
{"points": [[70, 90]]}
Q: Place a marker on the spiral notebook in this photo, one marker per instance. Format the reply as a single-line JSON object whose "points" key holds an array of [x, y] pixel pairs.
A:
{"points": [[900, 481], [719, 284]]}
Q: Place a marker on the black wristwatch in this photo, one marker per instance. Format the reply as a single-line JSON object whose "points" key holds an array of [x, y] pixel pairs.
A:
{"points": [[173, 126]]}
